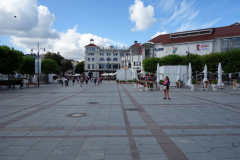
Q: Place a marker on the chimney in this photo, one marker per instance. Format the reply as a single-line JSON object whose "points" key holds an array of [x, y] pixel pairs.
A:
{"points": [[135, 42]]}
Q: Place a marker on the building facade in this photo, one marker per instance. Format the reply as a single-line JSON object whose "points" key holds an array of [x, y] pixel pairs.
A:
{"points": [[99, 60]]}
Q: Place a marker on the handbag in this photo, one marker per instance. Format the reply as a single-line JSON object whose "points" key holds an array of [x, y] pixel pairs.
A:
{"points": [[164, 87]]}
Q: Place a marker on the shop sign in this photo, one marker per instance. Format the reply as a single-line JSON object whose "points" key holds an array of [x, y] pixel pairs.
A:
{"points": [[202, 47], [159, 49]]}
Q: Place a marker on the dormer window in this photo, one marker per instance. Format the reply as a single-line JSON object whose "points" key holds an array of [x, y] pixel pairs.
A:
{"points": [[191, 33]]}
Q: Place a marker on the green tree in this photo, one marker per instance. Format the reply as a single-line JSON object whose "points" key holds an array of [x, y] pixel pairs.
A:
{"points": [[53, 56], [150, 64], [212, 60], [67, 65], [49, 66], [79, 67], [234, 61], [195, 60], [10, 60], [28, 65]]}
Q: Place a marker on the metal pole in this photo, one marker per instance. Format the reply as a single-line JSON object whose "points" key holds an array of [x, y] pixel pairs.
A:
{"points": [[38, 65], [125, 65], [96, 69], [108, 67], [228, 61]]}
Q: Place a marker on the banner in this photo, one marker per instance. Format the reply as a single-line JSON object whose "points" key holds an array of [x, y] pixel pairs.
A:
{"points": [[168, 50], [36, 65], [159, 49], [202, 47]]}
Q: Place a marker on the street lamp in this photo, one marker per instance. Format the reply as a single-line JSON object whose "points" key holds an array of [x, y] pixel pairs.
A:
{"points": [[38, 50], [108, 67], [96, 69], [228, 57], [188, 53]]}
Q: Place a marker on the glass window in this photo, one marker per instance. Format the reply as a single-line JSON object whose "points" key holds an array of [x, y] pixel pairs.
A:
{"points": [[101, 54], [235, 42], [88, 59], [92, 59], [93, 66], [108, 54], [224, 44], [93, 49], [115, 66], [108, 59], [101, 66], [91, 54], [121, 54], [108, 66], [101, 59], [88, 66], [114, 54], [147, 52], [114, 59]]}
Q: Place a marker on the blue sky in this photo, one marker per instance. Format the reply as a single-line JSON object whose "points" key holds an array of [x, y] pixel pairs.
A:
{"points": [[67, 26]]}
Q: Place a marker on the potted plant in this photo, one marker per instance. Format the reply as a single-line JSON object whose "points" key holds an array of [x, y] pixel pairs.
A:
{"points": [[123, 81], [129, 82], [161, 84], [193, 87], [117, 81], [135, 83], [214, 85], [141, 86]]}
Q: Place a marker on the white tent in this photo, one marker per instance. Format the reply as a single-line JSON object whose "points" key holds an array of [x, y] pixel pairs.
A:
{"points": [[178, 73], [205, 73], [189, 83], [135, 75], [158, 73], [77, 75], [219, 74]]}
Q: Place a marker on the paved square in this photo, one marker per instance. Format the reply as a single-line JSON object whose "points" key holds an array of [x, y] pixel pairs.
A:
{"points": [[35, 123]]}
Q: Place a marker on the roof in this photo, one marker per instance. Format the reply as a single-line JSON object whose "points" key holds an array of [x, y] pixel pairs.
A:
{"points": [[91, 45], [232, 30], [136, 45]]}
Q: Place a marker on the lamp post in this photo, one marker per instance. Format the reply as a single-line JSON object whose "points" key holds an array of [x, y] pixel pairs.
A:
{"points": [[152, 60], [188, 53], [38, 50], [228, 57], [108, 67]]}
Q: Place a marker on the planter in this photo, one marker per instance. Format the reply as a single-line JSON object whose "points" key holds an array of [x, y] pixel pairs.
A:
{"points": [[138, 86], [193, 88], [141, 87], [135, 85], [146, 88], [215, 87], [117, 82], [161, 87], [129, 82]]}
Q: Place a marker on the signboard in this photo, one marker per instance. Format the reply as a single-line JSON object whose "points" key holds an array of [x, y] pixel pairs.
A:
{"points": [[159, 49], [168, 50], [36, 65], [202, 47]]}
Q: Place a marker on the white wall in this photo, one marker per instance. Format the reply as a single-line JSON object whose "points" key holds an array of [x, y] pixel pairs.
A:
{"points": [[216, 45]]}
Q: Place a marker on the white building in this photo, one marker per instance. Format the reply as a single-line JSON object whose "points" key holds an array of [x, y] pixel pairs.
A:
{"points": [[99, 60]]}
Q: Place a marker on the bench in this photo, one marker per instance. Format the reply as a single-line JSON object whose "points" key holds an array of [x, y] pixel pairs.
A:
{"points": [[28, 84], [4, 85], [221, 87]]}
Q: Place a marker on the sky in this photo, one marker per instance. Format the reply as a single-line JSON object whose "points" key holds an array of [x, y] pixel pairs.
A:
{"points": [[66, 26]]}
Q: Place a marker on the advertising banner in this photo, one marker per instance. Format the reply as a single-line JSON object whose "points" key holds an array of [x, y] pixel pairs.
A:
{"points": [[36, 65], [159, 49], [202, 47], [174, 49], [168, 50]]}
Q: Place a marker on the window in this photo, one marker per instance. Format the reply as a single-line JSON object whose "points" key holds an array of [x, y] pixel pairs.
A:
{"points": [[108, 66], [121, 54], [224, 45], [114, 59], [92, 59], [88, 66], [88, 59], [235, 43], [101, 54], [115, 66], [101, 59], [108, 59], [93, 49], [101, 66], [147, 52], [93, 66], [108, 54], [114, 54], [91, 54], [133, 63]]}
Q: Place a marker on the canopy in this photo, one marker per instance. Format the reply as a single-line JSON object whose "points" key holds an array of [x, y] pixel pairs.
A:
{"points": [[77, 75], [158, 73], [205, 73], [219, 74], [178, 73], [135, 76], [189, 83]]}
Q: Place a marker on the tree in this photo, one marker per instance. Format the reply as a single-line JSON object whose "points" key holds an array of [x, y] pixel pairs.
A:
{"points": [[28, 66], [79, 67], [67, 65], [212, 60], [49, 66], [150, 64], [10, 60], [53, 56]]}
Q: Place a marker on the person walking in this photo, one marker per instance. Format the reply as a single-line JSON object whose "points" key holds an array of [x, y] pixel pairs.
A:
{"points": [[78, 80], [91, 79], [73, 80], [166, 87], [101, 80], [86, 80], [81, 81], [98, 80], [94, 80]]}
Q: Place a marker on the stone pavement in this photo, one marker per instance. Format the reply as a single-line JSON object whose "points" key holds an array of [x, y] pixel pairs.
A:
{"points": [[121, 123]]}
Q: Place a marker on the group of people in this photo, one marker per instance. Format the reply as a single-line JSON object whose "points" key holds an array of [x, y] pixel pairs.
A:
{"points": [[80, 80], [92, 79]]}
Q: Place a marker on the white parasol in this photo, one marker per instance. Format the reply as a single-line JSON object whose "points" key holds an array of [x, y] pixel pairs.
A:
{"points": [[178, 73], [189, 83], [158, 73], [219, 74], [205, 73]]}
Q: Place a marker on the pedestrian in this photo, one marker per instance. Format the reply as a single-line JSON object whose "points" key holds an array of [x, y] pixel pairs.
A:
{"points": [[61, 81], [66, 82], [81, 81], [78, 80], [94, 80], [101, 80], [98, 80], [73, 80], [86, 80], [166, 87]]}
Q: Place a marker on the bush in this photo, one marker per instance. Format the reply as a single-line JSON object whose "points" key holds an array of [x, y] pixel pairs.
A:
{"points": [[129, 81], [214, 81], [161, 82], [194, 81], [117, 80], [135, 81]]}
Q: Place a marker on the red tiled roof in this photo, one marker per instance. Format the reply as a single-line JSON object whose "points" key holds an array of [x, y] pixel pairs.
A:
{"points": [[91, 45], [136, 45], [233, 30]]}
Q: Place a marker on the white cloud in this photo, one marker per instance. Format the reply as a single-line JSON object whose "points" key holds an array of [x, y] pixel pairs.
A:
{"points": [[210, 24], [33, 25], [166, 5], [158, 33], [142, 16]]}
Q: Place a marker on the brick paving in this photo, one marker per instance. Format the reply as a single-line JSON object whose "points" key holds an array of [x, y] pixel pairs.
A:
{"points": [[34, 123]]}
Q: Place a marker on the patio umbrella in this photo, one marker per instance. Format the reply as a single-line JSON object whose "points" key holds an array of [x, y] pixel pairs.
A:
{"points": [[205, 73], [132, 74], [158, 73], [189, 83], [219, 74], [178, 72], [135, 74]]}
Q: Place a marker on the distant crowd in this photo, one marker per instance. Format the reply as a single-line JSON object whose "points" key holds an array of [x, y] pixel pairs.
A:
{"points": [[81, 80]]}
